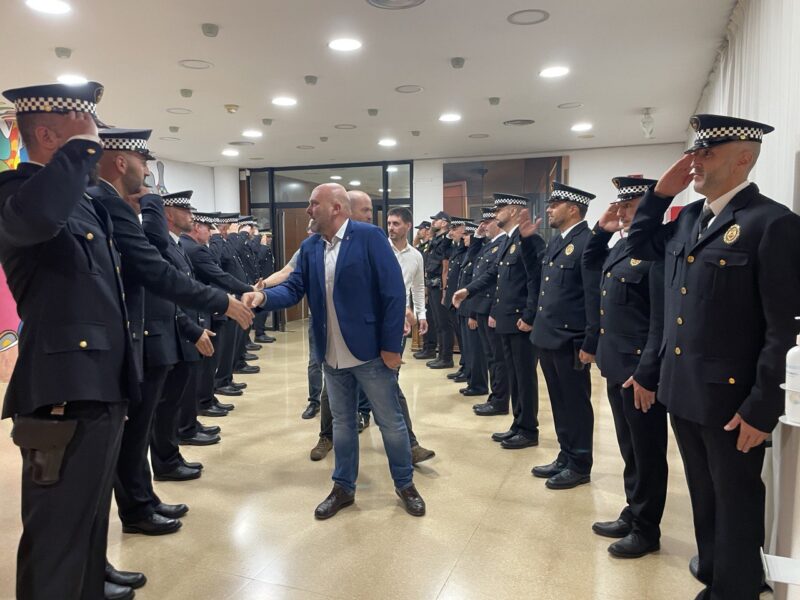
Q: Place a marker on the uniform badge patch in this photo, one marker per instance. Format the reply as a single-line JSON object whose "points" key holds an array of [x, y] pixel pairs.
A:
{"points": [[512, 249], [569, 250], [732, 234], [495, 249], [635, 262]]}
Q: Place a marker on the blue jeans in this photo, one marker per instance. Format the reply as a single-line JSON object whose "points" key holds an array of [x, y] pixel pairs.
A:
{"points": [[379, 383]]}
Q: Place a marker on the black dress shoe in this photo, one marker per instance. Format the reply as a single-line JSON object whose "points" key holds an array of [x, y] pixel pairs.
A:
{"points": [[130, 579], [499, 437], [423, 354], [441, 364], [547, 471], [179, 473], [633, 545], [412, 501], [222, 405], [336, 501], [311, 411], [249, 356], [193, 465], [612, 529], [468, 391], [519, 441], [458, 373], [252, 347], [567, 480], [209, 429], [213, 411], [247, 370], [694, 566], [155, 524], [461, 379], [264, 339], [490, 410], [238, 386], [171, 511], [363, 422], [430, 362], [200, 439], [112, 591], [228, 390]]}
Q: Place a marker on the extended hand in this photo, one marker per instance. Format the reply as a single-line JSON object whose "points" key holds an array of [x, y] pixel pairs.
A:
{"points": [[609, 220], [677, 177], [459, 297], [204, 345], [260, 284], [253, 299], [749, 436], [523, 326], [239, 312], [643, 398], [585, 357], [526, 227], [391, 359]]}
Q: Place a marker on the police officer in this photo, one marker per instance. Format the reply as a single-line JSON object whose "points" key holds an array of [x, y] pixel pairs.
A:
{"points": [[732, 292], [435, 268], [458, 253], [565, 336], [471, 351], [422, 242], [631, 325], [74, 376], [265, 262]]}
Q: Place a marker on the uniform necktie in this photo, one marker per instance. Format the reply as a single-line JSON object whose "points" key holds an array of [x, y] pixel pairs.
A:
{"points": [[705, 218]]}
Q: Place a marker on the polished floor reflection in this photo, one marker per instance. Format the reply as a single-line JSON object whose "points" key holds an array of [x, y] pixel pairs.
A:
{"points": [[492, 531]]}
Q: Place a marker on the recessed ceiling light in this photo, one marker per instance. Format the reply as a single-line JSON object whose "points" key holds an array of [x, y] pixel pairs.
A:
{"points": [[355, 182], [395, 4], [51, 7], [344, 45], [381, 190], [230, 152], [179, 111], [72, 79], [284, 101], [252, 133], [450, 117], [567, 105], [336, 177], [551, 72], [519, 122], [391, 169], [479, 136], [408, 89], [387, 142], [531, 16], [195, 64], [241, 143], [581, 127], [169, 139], [344, 126], [304, 147]]}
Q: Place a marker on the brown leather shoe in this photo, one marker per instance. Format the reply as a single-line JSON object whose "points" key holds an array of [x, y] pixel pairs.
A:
{"points": [[420, 454], [336, 500], [412, 501], [320, 451]]}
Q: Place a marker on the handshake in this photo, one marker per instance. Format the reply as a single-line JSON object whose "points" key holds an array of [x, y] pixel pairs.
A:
{"points": [[241, 310]]}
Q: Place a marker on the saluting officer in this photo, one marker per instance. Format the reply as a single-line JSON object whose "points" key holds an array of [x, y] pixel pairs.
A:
{"points": [[74, 376], [471, 352], [631, 326], [435, 270], [565, 335], [422, 242], [458, 253], [732, 292]]}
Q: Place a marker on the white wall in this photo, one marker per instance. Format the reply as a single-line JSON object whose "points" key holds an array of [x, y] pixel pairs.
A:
{"points": [[215, 189], [428, 188], [226, 189]]}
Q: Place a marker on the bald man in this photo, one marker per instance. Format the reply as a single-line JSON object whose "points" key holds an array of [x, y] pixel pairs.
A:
{"points": [[360, 206]]}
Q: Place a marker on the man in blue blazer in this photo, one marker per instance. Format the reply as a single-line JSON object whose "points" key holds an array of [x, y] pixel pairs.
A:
{"points": [[356, 293]]}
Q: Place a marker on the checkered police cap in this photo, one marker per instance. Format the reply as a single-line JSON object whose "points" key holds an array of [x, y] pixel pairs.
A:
{"points": [[127, 140], [179, 200], [565, 193], [631, 187], [488, 212], [206, 218], [506, 199], [711, 130], [57, 98]]}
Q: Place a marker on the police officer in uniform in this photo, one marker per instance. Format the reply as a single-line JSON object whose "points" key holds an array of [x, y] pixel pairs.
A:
{"points": [[435, 268], [471, 352], [732, 292], [71, 384], [422, 242], [458, 253], [265, 261], [631, 326], [565, 336]]}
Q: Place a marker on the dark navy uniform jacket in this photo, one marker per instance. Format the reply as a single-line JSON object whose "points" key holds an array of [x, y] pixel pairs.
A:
{"points": [[481, 302], [228, 258], [63, 271], [456, 261], [568, 310], [438, 252], [631, 310], [467, 271], [731, 299], [241, 245]]}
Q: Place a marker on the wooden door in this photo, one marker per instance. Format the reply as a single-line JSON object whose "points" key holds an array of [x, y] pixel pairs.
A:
{"points": [[294, 222], [455, 198]]}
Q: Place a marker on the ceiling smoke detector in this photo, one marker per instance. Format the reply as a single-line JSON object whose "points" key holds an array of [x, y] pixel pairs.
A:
{"points": [[395, 4], [231, 108], [311, 79], [372, 112], [267, 122], [186, 93], [210, 29], [457, 62], [174, 129], [494, 101], [416, 133], [62, 52], [324, 138]]}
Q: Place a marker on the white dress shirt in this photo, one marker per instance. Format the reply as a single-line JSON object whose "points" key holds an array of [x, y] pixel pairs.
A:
{"points": [[412, 266], [718, 205], [337, 354], [568, 229]]}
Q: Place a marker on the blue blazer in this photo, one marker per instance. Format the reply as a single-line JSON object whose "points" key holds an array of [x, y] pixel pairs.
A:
{"points": [[368, 293]]}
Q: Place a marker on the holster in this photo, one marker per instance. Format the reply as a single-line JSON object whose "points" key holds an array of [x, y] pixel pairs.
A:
{"points": [[434, 282], [46, 441]]}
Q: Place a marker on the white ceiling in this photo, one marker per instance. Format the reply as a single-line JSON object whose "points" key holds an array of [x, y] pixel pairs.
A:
{"points": [[623, 56]]}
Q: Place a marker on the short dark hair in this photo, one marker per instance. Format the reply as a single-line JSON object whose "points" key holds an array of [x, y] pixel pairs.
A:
{"points": [[402, 212], [27, 124], [582, 209]]}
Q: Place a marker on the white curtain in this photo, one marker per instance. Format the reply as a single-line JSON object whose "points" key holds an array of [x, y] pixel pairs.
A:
{"points": [[757, 77]]}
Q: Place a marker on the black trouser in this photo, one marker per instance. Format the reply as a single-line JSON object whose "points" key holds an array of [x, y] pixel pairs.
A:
{"points": [[206, 383], [444, 329], [727, 496], [133, 487], [165, 454], [225, 351], [490, 343], [62, 551], [455, 326], [475, 358], [523, 383], [642, 439], [192, 395], [260, 322], [570, 392], [242, 339], [430, 337]]}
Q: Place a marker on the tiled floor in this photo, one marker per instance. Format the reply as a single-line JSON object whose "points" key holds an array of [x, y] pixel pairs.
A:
{"points": [[492, 531]]}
